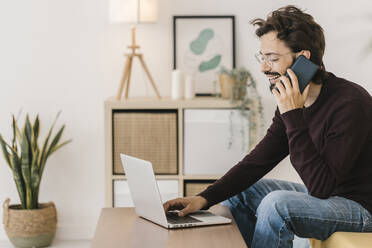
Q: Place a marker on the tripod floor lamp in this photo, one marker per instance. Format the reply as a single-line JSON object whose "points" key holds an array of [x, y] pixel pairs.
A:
{"points": [[133, 11]]}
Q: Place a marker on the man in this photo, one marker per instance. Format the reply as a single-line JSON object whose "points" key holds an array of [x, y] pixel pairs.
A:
{"points": [[327, 132]]}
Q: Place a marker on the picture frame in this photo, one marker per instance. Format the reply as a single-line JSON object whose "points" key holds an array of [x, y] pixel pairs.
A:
{"points": [[201, 45]]}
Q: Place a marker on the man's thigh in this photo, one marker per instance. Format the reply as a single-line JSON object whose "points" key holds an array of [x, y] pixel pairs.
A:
{"points": [[250, 198], [310, 217]]}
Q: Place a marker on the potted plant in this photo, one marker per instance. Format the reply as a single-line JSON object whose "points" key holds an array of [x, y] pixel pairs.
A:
{"points": [[239, 87], [30, 224]]}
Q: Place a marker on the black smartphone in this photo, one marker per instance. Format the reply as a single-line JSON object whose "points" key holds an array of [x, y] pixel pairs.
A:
{"points": [[304, 70]]}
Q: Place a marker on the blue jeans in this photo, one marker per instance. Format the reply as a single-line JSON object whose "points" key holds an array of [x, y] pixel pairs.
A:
{"points": [[271, 213]]}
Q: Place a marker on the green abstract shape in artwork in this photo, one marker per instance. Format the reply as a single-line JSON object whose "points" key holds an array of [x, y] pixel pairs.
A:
{"points": [[210, 64], [199, 45]]}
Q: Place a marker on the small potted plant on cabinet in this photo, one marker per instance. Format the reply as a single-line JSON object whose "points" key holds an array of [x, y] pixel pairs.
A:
{"points": [[239, 86], [30, 224]]}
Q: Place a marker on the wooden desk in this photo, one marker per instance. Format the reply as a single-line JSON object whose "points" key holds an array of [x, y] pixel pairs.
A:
{"points": [[121, 227]]}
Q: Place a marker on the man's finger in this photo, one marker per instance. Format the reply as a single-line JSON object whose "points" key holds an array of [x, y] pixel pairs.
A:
{"points": [[305, 93], [280, 88], [287, 83], [175, 204], [294, 79], [276, 93], [185, 211], [176, 207], [166, 206]]}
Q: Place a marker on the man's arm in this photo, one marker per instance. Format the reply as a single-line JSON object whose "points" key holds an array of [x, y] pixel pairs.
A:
{"points": [[264, 157], [322, 170]]}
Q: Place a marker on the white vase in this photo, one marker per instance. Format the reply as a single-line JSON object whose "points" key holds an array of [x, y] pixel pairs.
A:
{"points": [[189, 87], [177, 85]]}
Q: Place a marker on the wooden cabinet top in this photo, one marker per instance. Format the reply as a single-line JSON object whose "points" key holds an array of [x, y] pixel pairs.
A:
{"points": [[167, 102]]}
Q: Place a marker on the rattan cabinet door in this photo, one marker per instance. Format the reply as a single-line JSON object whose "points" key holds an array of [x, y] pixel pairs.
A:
{"points": [[194, 188], [149, 135]]}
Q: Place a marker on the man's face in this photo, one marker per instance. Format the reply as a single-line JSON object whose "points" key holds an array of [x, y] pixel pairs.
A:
{"points": [[277, 57]]}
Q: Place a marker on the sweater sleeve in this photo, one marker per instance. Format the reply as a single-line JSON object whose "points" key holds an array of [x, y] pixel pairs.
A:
{"points": [[264, 157], [322, 170]]}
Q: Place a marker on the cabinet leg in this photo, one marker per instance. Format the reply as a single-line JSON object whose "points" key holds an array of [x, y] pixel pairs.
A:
{"points": [[128, 80]]}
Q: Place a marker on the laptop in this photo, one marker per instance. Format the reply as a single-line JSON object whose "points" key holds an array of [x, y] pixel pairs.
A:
{"points": [[147, 200]]}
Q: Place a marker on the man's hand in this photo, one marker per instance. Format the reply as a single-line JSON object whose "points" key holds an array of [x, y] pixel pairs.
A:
{"points": [[187, 205], [289, 96]]}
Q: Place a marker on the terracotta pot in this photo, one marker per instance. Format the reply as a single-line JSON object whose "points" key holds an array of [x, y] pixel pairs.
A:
{"points": [[30, 228], [227, 86]]}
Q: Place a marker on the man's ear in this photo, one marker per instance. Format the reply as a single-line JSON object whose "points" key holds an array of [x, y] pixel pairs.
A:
{"points": [[306, 53]]}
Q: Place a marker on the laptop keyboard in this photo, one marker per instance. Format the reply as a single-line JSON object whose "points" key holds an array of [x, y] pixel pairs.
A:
{"points": [[173, 218]]}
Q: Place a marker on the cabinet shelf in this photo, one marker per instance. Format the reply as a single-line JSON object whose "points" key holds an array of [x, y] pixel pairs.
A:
{"points": [[155, 130], [160, 177]]}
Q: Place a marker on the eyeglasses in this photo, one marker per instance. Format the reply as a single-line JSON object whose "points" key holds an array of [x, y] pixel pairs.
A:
{"points": [[268, 59]]}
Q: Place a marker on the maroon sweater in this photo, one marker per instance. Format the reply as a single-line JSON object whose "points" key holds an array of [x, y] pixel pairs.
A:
{"points": [[329, 143]]}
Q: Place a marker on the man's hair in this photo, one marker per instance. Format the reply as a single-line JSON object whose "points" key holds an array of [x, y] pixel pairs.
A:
{"points": [[298, 31]]}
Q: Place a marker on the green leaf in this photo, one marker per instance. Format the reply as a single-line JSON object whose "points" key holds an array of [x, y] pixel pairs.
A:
{"points": [[18, 133], [17, 175], [45, 145], [59, 146], [35, 177], [25, 154], [18, 179], [14, 163], [5, 152], [54, 142], [36, 196], [25, 167], [28, 130], [14, 140], [36, 131]]}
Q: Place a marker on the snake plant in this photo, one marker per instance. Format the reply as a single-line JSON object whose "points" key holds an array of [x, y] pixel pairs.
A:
{"points": [[27, 159]]}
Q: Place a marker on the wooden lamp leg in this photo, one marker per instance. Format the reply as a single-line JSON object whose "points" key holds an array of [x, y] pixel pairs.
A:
{"points": [[148, 75], [128, 82], [123, 79]]}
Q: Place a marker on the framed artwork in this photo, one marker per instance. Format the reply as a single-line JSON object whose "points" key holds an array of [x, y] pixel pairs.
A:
{"points": [[202, 44]]}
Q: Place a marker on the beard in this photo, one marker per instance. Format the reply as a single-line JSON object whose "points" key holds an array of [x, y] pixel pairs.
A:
{"points": [[272, 86]]}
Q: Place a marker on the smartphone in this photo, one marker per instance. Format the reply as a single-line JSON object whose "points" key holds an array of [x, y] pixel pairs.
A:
{"points": [[304, 70]]}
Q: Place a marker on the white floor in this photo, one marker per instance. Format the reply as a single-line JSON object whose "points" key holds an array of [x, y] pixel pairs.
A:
{"points": [[56, 244]]}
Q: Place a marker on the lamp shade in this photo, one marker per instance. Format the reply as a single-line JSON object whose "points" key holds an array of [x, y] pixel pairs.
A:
{"points": [[133, 11]]}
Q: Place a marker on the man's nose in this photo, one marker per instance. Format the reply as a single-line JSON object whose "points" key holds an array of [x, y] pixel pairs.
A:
{"points": [[265, 67]]}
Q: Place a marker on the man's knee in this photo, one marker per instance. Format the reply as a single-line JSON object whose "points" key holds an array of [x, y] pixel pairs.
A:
{"points": [[275, 204]]}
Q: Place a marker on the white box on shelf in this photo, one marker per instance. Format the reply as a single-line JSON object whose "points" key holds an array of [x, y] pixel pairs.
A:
{"points": [[168, 190], [207, 133]]}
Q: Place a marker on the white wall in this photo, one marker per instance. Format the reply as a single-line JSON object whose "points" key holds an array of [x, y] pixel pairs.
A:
{"points": [[65, 55]]}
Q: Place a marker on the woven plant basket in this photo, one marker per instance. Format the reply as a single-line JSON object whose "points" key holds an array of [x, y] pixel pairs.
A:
{"points": [[227, 86], [30, 228]]}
